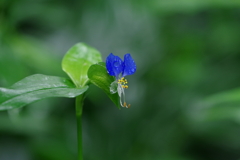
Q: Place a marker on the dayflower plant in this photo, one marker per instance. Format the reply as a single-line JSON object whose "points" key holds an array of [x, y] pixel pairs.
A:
{"points": [[119, 69], [83, 64]]}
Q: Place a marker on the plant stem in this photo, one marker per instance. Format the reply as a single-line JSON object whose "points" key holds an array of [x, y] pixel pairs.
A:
{"points": [[79, 105]]}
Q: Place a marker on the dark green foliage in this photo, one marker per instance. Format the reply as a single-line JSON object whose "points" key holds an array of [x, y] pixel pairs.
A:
{"points": [[187, 53]]}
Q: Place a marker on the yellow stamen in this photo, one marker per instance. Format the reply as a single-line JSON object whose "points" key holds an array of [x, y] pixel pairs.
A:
{"points": [[123, 82]]}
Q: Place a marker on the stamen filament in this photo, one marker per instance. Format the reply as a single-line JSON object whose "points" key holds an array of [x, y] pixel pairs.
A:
{"points": [[121, 93]]}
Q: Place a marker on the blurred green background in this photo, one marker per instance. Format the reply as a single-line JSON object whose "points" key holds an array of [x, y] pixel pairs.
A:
{"points": [[185, 95]]}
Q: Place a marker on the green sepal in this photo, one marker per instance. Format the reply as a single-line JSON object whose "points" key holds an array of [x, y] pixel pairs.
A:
{"points": [[113, 87]]}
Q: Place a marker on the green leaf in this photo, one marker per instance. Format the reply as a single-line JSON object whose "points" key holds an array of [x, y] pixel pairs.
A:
{"points": [[77, 61], [98, 76], [35, 88]]}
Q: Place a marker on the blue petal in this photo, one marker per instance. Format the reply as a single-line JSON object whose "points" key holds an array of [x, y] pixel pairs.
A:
{"points": [[129, 65], [114, 65]]}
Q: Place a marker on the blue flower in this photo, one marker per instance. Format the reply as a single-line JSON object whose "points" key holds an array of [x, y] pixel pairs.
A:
{"points": [[119, 69]]}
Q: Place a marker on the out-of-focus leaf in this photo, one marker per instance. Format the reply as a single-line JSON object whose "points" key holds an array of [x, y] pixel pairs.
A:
{"points": [[77, 61], [98, 75], [37, 87], [220, 106], [53, 149], [230, 111], [173, 6], [34, 54], [224, 97], [9, 63]]}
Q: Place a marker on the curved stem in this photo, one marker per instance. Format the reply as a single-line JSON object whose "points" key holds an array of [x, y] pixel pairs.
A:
{"points": [[79, 105]]}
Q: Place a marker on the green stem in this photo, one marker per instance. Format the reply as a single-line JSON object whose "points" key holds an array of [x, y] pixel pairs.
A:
{"points": [[79, 105]]}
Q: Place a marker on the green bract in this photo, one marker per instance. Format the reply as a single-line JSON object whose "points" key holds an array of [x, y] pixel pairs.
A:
{"points": [[77, 61], [98, 76]]}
